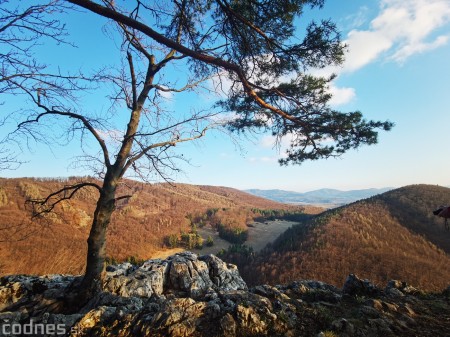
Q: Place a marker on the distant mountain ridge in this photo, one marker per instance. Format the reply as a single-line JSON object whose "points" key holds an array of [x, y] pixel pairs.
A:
{"points": [[320, 196]]}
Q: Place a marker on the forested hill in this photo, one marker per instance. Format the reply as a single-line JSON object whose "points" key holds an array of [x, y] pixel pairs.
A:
{"points": [[390, 236], [57, 243], [412, 206]]}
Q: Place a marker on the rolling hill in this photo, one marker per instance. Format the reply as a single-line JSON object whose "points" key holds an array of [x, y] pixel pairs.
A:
{"points": [[390, 236], [324, 196], [57, 243], [393, 235]]}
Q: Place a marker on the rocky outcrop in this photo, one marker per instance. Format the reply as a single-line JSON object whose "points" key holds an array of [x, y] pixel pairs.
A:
{"points": [[183, 275], [354, 286], [188, 295]]}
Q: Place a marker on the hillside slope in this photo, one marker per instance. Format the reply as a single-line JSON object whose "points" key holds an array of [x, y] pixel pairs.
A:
{"points": [[412, 206], [393, 235], [57, 243]]}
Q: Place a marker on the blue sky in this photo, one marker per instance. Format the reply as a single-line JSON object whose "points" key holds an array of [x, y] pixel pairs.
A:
{"points": [[397, 68]]}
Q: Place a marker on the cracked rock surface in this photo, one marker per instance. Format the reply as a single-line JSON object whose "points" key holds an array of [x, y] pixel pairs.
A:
{"points": [[190, 295]]}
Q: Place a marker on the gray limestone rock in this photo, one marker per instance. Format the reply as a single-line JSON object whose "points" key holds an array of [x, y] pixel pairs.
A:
{"points": [[223, 275], [184, 274], [187, 295]]}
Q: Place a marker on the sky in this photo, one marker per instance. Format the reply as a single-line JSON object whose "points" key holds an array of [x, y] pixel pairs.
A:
{"points": [[397, 68]]}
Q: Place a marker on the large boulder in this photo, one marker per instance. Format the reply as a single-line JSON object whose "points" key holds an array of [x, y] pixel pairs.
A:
{"points": [[129, 281], [184, 275], [189, 274], [354, 286], [224, 276]]}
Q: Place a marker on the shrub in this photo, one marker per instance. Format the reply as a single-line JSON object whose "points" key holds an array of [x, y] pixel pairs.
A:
{"points": [[199, 243], [235, 235], [111, 261], [243, 250], [134, 260], [210, 241], [211, 211], [171, 240], [191, 241]]}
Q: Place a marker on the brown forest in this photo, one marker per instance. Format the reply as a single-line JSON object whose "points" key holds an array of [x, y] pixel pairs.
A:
{"points": [[390, 236], [57, 242]]}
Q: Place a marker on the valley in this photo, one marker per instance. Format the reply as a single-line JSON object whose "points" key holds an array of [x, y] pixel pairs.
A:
{"points": [[260, 234], [386, 236], [56, 243], [390, 236]]}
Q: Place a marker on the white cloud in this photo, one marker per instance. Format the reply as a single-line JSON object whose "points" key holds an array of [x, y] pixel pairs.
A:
{"points": [[402, 29], [364, 47], [341, 95], [267, 142], [220, 85], [416, 48], [168, 95], [225, 155]]}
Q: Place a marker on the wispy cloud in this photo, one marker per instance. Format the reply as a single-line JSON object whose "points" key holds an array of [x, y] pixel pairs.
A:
{"points": [[357, 19], [168, 95], [282, 144], [400, 30], [419, 47]]}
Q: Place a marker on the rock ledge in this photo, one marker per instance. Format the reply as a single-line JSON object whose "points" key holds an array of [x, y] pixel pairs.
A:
{"points": [[188, 295]]}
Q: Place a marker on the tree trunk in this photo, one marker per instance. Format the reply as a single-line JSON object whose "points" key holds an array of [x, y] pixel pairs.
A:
{"points": [[95, 262]]}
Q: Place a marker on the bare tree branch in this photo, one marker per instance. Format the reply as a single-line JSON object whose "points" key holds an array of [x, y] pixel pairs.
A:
{"points": [[188, 86], [84, 120], [133, 80], [20, 31], [46, 205], [234, 68], [169, 143]]}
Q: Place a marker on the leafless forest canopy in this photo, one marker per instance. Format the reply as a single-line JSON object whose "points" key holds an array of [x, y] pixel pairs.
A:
{"points": [[56, 243], [390, 236]]}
